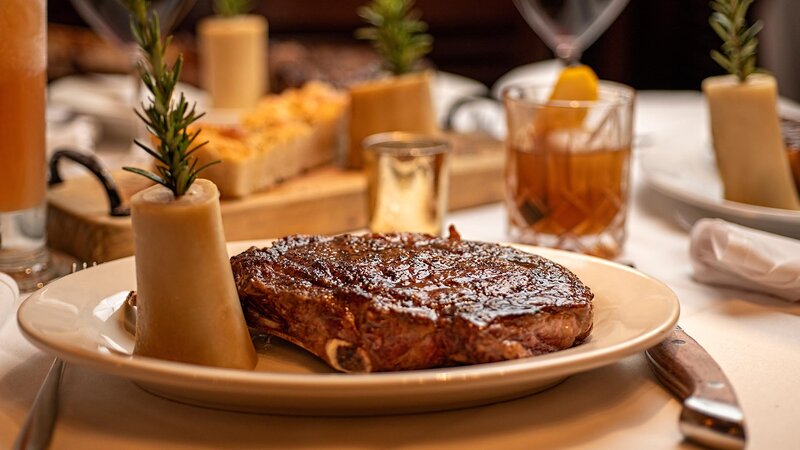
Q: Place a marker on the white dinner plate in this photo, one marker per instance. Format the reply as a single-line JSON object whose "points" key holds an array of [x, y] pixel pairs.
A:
{"points": [[688, 174], [78, 318]]}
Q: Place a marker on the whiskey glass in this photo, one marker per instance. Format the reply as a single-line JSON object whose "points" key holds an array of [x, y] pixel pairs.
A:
{"points": [[567, 168]]}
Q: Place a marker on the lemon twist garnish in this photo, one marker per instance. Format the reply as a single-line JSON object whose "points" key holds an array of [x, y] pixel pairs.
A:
{"points": [[575, 83]]}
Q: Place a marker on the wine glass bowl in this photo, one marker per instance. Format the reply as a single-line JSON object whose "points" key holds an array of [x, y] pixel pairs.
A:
{"points": [[111, 20], [569, 27]]}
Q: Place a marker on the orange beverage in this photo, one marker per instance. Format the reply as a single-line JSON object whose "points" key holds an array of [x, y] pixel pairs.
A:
{"points": [[568, 194], [567, 180], [22, 104]]}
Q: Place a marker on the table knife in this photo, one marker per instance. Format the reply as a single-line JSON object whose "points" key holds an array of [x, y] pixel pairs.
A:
{"points": [[711, 415]]}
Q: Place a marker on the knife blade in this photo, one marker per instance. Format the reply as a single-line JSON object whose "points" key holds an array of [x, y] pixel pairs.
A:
{"points": [[711, 415]]}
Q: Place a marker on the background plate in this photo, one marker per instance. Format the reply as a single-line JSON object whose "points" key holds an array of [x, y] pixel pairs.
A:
{"points": [[688, 173], [78, 318]]}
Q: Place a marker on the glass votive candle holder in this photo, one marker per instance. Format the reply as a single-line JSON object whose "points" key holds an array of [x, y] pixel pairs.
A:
{"points": [[407, 182]]}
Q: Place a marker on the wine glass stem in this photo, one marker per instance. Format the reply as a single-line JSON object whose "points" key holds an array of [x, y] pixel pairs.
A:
{"points": [[568, 53]]}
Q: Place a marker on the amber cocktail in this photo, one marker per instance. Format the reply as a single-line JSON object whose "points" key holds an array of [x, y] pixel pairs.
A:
{"points": [[567, 168]]}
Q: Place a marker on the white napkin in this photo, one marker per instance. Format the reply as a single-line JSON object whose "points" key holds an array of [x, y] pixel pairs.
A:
{"points": [[9, 293], [731, 255]]}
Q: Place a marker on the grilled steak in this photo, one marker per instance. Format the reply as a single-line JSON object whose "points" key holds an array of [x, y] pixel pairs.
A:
{"points": [[410, 301]]}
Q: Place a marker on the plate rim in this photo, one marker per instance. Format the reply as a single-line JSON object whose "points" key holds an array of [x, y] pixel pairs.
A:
{"points": [[150, 369]]}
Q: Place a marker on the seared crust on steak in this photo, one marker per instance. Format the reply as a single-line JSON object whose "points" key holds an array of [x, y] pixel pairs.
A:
{"points": [[410, 301]]}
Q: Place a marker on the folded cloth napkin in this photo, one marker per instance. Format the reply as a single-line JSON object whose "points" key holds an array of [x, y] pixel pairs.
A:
{"points": [[9, 293], [731, 255]]}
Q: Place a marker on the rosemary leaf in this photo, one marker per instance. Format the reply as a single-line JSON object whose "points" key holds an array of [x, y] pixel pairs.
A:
{"points": [[230, 8], [167, 120], [145, 174], [739, 42], [396, 33]]}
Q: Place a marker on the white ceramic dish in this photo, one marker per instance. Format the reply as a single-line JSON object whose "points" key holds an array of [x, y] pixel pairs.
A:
{"points": [[9, 293], [107, 98], [688, 174], [78, 319], [542, 73]]}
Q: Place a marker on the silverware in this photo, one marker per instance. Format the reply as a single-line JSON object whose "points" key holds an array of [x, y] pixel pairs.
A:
{"points": [[37, 429], [711, 415]]}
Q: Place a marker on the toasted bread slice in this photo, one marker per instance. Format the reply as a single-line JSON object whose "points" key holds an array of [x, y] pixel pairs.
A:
{"points": [[283, 136]]}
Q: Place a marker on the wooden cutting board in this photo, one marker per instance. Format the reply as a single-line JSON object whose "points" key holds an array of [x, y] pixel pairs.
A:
{"points": [[323, 201]]}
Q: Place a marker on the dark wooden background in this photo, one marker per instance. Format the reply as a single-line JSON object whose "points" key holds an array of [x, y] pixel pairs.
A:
{"points": [[654, 44]]}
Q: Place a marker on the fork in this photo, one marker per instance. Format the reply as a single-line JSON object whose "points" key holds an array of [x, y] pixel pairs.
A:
{"points": [[37, 429]]}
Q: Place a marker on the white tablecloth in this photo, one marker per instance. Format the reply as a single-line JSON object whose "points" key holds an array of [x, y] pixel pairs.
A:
{"points": [[754, 338]]}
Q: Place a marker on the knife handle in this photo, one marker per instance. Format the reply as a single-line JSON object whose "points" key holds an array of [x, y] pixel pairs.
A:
{"points": [[711, 415], [689, 370]]}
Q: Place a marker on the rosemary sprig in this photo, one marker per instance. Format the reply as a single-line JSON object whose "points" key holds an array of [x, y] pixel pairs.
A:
{"points": [[739, 42], [396, 33], [165, 119], [230, 8]]}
